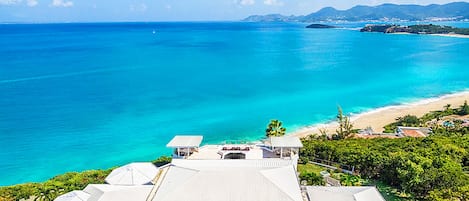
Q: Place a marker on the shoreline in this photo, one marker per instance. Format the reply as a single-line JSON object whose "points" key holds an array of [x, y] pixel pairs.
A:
{"points": [[373, 117], [379, 117], [451, 35]]}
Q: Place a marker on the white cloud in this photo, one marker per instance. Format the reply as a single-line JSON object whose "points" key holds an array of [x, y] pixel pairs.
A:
{"points": [[273, 3], [32, 3], [245, 2], [61, 3], [9, 2], [138, 7]]}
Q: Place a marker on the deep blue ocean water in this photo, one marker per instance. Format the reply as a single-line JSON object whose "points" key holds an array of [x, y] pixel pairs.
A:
{"points": [[86, 96]]}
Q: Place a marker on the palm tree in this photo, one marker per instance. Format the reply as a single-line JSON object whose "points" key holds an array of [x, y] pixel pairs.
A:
{"points": [[275, 128], [46, 193], [447, 107]]}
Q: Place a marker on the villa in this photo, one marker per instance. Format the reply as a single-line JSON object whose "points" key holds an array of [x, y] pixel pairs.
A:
{"points": [[264, 171]]}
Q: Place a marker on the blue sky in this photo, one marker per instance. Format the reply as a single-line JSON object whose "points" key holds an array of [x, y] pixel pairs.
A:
{"points": [[167, 10]]}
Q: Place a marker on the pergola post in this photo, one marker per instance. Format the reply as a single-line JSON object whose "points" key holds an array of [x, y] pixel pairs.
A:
{"points": [[290, 144]]}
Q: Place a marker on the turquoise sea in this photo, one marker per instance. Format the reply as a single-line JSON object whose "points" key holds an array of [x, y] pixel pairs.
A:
{"points": [[86, 96]]}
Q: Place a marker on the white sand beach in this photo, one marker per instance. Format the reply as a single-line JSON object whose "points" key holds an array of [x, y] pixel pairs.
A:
{"points": [[380, 117], [452, 35]]}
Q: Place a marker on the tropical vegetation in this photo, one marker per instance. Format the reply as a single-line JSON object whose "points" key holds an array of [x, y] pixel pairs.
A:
{"points": [[429, 118], [431, 168]]}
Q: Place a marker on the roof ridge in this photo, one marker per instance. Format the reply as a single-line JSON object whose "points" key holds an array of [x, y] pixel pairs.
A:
{"points": [[182, 184], [270, 181]]}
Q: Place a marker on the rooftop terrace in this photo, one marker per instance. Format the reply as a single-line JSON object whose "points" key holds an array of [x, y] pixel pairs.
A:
{"points": [[187, 147]]}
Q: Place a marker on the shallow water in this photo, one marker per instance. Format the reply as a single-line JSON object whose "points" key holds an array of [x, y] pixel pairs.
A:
{"points": [[85, 96]]}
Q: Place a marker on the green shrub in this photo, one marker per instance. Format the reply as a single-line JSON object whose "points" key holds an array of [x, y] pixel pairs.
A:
{"points": [[312, 178]]}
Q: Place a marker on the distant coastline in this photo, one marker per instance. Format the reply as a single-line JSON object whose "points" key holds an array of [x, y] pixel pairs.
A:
{"points": [[456, 11], [379, 117], [424, 29]]}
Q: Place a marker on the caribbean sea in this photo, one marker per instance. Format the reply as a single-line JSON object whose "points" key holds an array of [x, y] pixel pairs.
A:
{"points": [[86, 96]]}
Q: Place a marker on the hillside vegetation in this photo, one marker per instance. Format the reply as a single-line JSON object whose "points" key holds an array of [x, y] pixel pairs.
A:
{"points": [[431, 168]]}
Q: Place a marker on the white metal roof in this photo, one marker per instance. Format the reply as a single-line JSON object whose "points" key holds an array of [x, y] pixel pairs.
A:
{"points": [[233, 180], [344, 193], [180, 141], [106, 192], [286, 141], [133, 174], [73, 196]]}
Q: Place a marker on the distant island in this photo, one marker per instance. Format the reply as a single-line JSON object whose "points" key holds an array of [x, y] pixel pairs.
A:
{"points": [[457, 11], [416, 29], [321, 26]]}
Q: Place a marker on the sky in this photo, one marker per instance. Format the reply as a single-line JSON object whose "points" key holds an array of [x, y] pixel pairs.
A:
{"points": [[169, 10]]}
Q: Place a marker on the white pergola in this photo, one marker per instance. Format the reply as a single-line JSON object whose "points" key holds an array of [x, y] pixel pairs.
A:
{"points": [[185, 142], [286, 142]]}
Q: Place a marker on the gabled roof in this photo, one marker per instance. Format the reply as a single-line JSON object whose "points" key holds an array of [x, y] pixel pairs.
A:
{"points": [[217, 180], [414, 131], [73, 196], [180, 141], [106, 192], [343, 193], [286, 141], [280, 177]]}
